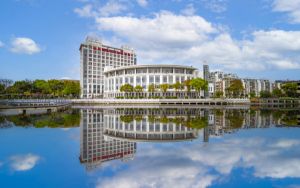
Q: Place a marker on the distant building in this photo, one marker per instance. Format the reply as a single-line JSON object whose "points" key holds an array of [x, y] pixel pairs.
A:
{"points": [[256, 86], [94, 57], [206, 76]]}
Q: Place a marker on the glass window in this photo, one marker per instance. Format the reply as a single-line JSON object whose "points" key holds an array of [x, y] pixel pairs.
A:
{"points": [[157, 79]]}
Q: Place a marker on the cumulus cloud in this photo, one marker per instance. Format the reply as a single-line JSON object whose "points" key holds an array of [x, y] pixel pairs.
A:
{"points": [[199, 165], [291, 7], [171, 38], [24, 45], [24, 162], [142, 3]]}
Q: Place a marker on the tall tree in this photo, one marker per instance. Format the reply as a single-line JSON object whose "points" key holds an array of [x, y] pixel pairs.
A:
{"points": [[265, 94], [199, 84], [277, 92], [290, 89], [164, 87], [42, 86], [177, 86], [236, 88], [151, 88]]}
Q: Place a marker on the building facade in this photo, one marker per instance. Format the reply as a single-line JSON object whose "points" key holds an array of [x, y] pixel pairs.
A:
{"points": [[94, 57], [145, 75]]}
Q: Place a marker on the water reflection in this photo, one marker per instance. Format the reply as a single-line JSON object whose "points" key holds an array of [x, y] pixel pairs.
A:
{"points": [[94, 147], [152, 147], [113, 133]]}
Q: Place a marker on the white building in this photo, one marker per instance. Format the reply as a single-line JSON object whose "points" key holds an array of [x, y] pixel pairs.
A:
{"points": [[145, 75], [94, 57]]}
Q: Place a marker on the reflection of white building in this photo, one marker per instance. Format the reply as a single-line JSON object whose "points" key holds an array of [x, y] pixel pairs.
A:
{"points": [[94, 148], [145, 129], [145, 75]]}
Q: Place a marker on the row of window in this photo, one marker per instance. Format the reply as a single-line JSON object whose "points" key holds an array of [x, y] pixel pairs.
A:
{"points": [[151, 70]]}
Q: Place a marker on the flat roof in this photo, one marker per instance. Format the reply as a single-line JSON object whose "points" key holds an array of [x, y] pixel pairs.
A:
{"points": [[150, 66]]}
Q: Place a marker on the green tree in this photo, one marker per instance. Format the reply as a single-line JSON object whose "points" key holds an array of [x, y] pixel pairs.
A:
{"points": [[2, 88], [177, 86], [164, 87], [187, 84], [42, 86], [219, 94], [252, 94], [56, 87], [138, 89], [20, 87], [236, 88], [71, 88], [265, 94], [290, 89], [277, 92], [199, 84], [126, 88], [151, 88]]}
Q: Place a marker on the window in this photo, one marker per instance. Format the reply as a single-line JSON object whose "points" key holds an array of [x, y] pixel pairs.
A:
{"points": [[165, 79], [157, 79]]}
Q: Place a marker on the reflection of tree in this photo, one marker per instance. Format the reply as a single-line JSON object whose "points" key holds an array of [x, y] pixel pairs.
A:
{"points": [[235, 118], [197, 122], [53, 120], [188, 121], [290, 118], [126, 118]]}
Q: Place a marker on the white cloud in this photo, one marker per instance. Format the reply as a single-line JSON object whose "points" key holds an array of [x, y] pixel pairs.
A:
{"points": [[1, 44], [94, 9], [85, 11], [189, 10], [24, 162], [217, 6], [197, 165], [164, 29], [24, 45], [291, 7], [170, 38], [112, 8], [142, 3]]}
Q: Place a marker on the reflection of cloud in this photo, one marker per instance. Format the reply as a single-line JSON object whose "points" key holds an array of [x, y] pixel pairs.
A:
{"points": [[197, 165], [24, 162]]}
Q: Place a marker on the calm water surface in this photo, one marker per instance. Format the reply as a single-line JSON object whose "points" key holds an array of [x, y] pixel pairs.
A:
{"points": [[151, 147]]}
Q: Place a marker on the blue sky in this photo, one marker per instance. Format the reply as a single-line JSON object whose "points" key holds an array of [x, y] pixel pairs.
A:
{"points": [[259, 39]]}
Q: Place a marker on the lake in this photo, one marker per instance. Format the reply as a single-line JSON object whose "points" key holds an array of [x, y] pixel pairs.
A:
{"points": [[151, 147]]}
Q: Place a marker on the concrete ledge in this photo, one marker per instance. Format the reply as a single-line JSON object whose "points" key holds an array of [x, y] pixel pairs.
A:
{"points": [[163, 101]]}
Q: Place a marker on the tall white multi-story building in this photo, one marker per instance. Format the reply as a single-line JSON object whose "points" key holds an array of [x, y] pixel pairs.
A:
{"points": [[94, 57]]}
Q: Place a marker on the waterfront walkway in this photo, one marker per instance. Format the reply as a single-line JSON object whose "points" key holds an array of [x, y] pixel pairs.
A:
{"points": [[163, 101], [33, 103]]}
